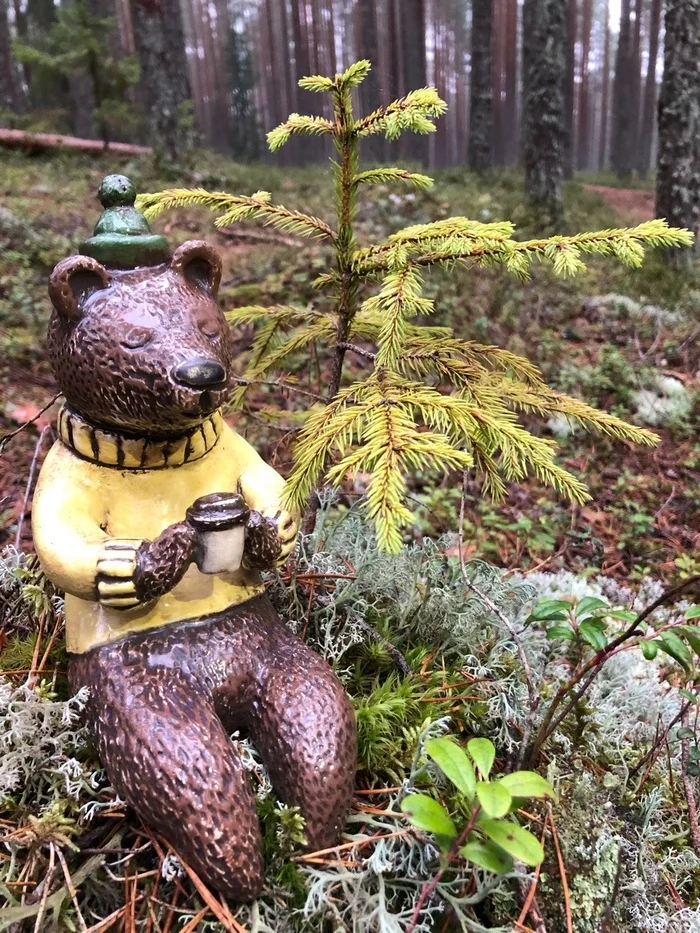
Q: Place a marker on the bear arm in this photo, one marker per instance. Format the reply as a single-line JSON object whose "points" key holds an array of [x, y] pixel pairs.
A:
{"points": [[271, 531], [162, 563], [67, 535]]}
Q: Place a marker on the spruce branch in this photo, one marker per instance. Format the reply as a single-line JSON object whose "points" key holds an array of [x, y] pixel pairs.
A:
{"points": [[232, 209], [413, 113], [299, 125], [381, 176]]}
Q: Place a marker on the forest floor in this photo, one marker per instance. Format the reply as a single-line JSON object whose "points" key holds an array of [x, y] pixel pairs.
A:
{"points": [[631, 205], [622, 839]]}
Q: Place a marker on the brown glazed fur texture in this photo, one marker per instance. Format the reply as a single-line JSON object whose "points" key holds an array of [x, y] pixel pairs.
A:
{"points": [[114, 357], [160, 707], [162, 702]]}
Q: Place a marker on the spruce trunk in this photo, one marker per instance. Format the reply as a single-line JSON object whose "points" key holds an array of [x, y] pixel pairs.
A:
{"points": [[678, 181], [544, 68], [160, 45], [481, 101]]}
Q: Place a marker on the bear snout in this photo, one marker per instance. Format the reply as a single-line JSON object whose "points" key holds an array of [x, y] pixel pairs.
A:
{"points": [[199, 373]]}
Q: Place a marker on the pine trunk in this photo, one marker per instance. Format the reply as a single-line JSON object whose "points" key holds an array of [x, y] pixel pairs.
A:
{"points": [[511, 83], [498, 38], [678, 175], [481, 96], [8, 79], [544, 67], [414, 69], [605, 95], [584, 109], [367, 44], [624, 121], [160, 45], [646, 134], [569, 87]]}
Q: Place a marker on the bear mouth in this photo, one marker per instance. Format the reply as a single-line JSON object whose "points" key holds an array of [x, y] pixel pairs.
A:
{"points": [[207, 402]]}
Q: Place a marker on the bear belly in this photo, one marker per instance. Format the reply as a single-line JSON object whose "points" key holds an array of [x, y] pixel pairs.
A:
{"points": [[89, 623]]}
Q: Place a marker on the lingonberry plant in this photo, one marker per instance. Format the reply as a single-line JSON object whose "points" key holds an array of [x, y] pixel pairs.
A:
{"points": [[427, 400]]}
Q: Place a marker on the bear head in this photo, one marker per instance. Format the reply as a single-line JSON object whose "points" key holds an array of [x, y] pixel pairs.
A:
{"points": [[145, 351]]}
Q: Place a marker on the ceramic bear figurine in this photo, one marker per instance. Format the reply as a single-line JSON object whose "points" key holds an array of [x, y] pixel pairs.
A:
{"points": [[156, 518]]}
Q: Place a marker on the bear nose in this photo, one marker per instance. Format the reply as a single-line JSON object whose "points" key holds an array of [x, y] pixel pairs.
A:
{"points": [[199, 372]]}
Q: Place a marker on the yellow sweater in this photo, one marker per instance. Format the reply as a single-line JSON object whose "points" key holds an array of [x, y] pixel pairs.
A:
{"points": [[93, 500]]}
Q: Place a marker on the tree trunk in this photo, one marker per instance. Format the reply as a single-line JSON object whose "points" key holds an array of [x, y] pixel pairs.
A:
{"points": [[160, 45], [481, 96], [544, 66], [8, 79], [584, 109], [605, 95], [569, 86], [646, 134], [414, 69], [498, 38], [367, 44], [39, 142], [511, 83], [624, 121], [678, 176]]}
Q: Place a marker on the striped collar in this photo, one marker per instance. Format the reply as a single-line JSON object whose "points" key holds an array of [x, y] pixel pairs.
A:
{"points": [[108, 448]]}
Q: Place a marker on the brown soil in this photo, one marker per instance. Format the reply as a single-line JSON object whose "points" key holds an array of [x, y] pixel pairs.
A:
{"points": [[634, 205]]}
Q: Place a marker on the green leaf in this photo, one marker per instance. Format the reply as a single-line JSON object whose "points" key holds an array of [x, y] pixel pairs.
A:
{"points": [[488, 855], [518, 842], [493, 797], [649, 649], [625, 614], [426, 813], [693, 612], [673, 646], [453, 761], [546, 609], [689, 696], [685, 732], [593, 631], [527, 784], [589, 603], [691, 635], [560, 631], [483, 754]]}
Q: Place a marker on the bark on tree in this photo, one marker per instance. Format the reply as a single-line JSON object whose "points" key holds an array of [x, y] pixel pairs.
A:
{"points": [[414, 69], [498, 71], [481, 96], [678, 163], [605, 95], [646, 133], [544, 68], [367, 41], [510, 121], [8, 79], [584, 108], [39, 142], [624, 118], [160, 45], [569, 86]]}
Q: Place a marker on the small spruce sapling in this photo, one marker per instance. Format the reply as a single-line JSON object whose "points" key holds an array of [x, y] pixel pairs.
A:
{"points": [[428, 401]]}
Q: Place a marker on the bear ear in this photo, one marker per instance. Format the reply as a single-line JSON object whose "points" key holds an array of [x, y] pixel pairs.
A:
{"points": [[199, 264], [73, 281]]}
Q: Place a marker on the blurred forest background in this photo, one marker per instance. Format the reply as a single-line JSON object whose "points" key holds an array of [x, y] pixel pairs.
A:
{"points": [[228, 70]]}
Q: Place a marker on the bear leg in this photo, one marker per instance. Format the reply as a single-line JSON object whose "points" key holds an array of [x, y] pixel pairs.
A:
{"points": [[168, 755], [303, 725]]}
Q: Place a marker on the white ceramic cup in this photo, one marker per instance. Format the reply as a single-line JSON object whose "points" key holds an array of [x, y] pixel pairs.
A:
{"points": [[220, 518]]}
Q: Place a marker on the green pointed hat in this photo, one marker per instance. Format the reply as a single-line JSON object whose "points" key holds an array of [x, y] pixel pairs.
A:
{"points": [[122, 237]]}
